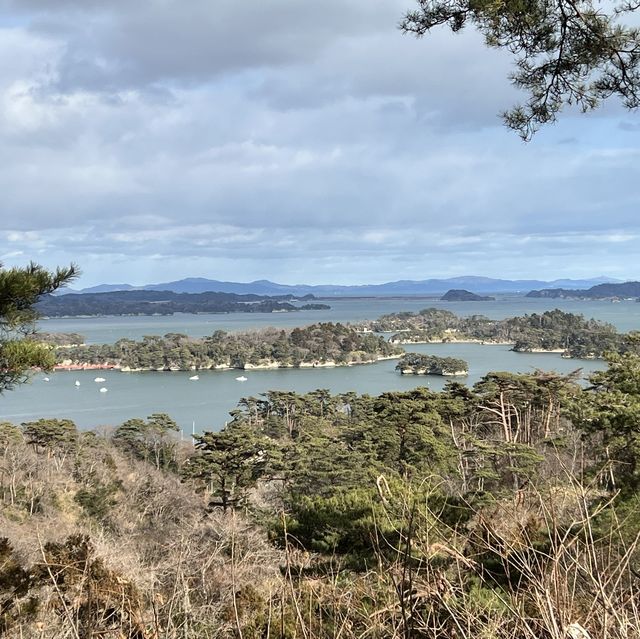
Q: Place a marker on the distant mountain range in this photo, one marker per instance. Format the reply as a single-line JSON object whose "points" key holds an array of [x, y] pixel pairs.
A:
{"points": [[622, 290], [401, 287]]}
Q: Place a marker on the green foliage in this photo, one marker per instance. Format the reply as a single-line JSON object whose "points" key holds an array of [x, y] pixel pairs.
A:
{"points": [[98, 499], [313, 345], [408, 514], [9, 434], [610, 415], [342, 523], [20, 289], [152, 440], [419, 364], [566, 52], [551, 330], [228, 463], [51, 434], [58, 339]]}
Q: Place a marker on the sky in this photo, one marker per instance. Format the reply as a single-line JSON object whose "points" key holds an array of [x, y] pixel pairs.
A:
{"points": [[300, 142]]}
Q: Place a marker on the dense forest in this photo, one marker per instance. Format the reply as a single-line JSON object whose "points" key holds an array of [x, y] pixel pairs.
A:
{"points": [[419, 364], [509, 509], [552, 330], [165, 303], [316, 345]]}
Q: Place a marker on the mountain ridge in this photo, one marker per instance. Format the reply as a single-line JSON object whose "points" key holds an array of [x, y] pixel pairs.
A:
{"points": [[607, 290], [432, 286]]}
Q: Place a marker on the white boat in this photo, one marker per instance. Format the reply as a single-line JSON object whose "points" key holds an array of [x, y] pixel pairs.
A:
{"points": [[45, 379], [194, 378], [103, 390], [242, 378], [99, 379], [77, 383]]}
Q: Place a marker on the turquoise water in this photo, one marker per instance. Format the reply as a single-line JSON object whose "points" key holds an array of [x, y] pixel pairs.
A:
{"points": [[206, 403]]}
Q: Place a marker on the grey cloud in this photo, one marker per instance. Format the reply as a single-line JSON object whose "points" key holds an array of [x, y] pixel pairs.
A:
{"points": [[361, 152], [116, 45]]}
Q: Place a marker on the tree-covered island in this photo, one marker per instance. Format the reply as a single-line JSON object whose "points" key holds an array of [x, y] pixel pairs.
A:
{"points": [[551, 331], [329, 344], [420, 364], [324, 344], [462, 295], [166, 303]]}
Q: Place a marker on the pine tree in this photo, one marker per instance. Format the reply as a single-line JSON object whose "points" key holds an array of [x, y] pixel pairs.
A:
{"points": [[20, 290]]}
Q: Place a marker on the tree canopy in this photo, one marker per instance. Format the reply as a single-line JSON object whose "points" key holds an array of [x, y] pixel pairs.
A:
{"points": [[567, 52], [20, 289]]}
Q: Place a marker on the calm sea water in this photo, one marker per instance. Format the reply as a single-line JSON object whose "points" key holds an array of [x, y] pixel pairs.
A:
{"points": [[205, 404]]}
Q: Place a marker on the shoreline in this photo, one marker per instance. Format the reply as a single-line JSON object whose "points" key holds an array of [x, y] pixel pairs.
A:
{"points": [[70, 367], [556, 351], [470, 340]]}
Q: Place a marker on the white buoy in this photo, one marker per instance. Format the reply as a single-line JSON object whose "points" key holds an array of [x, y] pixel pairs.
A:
{"points": [[242, 378], [77, 383], [45, 379], [194, 378], [103, 390], [99, 379]]}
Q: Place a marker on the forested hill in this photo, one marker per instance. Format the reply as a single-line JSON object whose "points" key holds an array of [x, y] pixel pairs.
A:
{"points": [[164, 303], [324, 344], [601, 291], [549, 331]]}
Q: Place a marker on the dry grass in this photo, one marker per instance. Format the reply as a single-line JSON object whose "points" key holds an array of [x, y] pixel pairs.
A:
{"points": [[533, 565]]}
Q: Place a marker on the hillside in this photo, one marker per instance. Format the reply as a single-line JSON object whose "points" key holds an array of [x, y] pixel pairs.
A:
{"points": [[142, 302], [325, 516], [623, 290]]}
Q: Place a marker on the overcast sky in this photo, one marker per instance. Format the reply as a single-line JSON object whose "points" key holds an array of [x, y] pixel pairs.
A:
{"points": [[294, 141]]}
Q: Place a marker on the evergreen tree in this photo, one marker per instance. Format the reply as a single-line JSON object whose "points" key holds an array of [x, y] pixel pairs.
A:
{"points": [[566, 51], [152, 440], [20, 289], [229, 462]]}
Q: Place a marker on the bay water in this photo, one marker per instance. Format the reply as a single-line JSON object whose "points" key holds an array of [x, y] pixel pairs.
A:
{"points": [[204, 404]]}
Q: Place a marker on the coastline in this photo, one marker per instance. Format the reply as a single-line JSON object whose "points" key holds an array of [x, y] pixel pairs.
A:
{"points": [[408, 371], [71, 366], [469, 340]]}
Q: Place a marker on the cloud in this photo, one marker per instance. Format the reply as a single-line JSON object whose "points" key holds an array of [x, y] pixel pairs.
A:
{"points": [[289, 140]]}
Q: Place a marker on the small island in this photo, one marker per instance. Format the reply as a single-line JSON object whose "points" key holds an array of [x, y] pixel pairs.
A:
{"points": [[418, 364], [317, 346], [461, 295]]}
